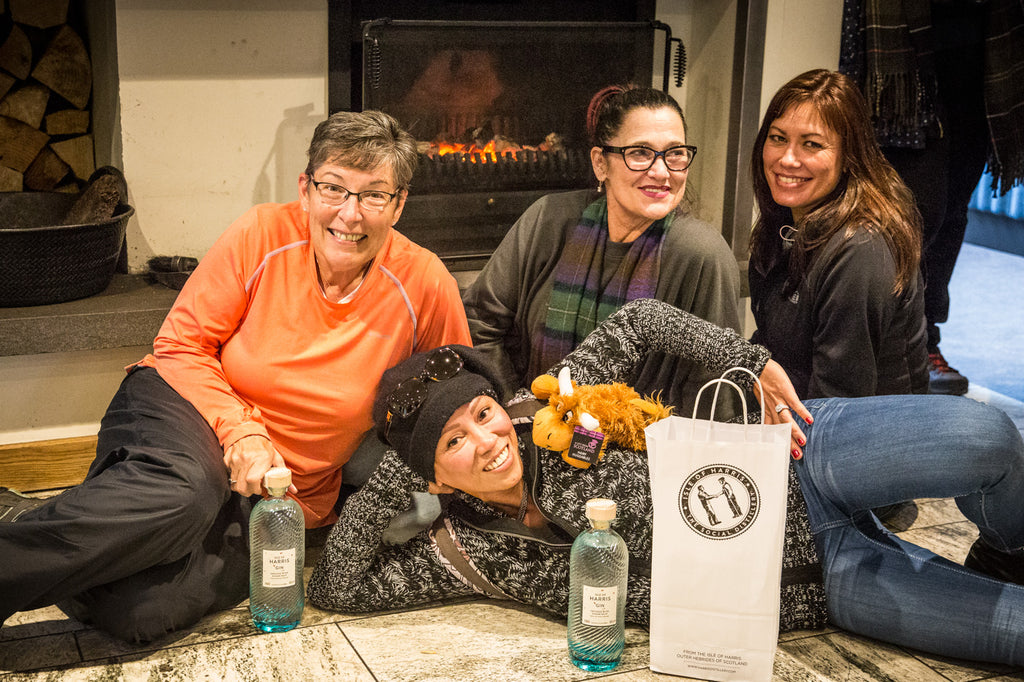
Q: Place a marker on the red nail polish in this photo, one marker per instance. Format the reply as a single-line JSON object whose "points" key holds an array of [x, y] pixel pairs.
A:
{"points": [[797, 454], [802, 442]]}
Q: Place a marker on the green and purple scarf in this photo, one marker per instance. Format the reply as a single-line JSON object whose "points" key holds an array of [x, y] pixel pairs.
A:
{"points": [[578, 303]]}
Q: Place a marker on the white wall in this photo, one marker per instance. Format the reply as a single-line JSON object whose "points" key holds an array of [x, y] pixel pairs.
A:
{"points": [[707, 28], [218, 99], [800, 35]]}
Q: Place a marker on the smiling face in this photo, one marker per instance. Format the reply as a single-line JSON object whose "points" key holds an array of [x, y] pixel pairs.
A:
{"points": [[346, 238], [638, 198], [478, 451], [802, 159]]}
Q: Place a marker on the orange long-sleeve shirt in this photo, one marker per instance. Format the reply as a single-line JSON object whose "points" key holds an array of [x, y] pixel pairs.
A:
{"points": [[253, 344]]}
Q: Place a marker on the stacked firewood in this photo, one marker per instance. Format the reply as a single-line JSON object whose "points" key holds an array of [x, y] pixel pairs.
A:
{"points": [[46, 140]]}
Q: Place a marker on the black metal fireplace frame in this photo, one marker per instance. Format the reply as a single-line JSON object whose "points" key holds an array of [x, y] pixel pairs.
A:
{"points": [[461, 209]]}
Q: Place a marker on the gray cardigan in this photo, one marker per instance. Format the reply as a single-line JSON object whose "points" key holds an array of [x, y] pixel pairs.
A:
{"points": [[358, 572], [507, 304]]}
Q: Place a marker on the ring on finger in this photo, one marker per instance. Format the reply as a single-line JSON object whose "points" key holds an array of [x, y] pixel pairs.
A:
{"points": [[780, 407]]}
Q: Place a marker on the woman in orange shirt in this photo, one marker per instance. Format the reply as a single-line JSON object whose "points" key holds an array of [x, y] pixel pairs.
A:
{"points": [[270, 357]]}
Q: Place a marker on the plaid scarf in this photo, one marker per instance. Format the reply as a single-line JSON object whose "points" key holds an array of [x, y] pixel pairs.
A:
{"points": [[578, 304], [1004, 93], [886, 47]]}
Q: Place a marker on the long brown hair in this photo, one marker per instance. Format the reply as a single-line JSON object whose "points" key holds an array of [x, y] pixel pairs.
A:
{"points": [[869, 194]]}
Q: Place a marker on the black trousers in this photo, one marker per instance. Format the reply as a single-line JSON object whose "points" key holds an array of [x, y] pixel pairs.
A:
{"points": [[152, 540], [943, 175]]}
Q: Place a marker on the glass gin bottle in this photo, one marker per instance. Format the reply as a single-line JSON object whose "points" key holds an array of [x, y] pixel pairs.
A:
{"points": [[598, 565], [277, 543]]}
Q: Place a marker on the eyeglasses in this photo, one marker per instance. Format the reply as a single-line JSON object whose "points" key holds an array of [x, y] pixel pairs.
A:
{"points": [[335, 195], [640, 158], [408, 396]]}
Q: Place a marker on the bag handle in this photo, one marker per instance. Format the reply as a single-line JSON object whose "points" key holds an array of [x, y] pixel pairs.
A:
{"points": [[756, 379], [718, 382]]}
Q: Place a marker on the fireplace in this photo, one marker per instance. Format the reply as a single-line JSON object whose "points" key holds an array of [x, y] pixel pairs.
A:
{"points": [[498, 111]]}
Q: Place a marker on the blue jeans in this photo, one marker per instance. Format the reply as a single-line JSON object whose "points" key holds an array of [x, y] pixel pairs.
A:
{"points": [[864, 453]]}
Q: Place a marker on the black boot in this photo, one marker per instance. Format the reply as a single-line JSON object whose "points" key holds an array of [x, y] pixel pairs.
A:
{"points": [[983, 558]]}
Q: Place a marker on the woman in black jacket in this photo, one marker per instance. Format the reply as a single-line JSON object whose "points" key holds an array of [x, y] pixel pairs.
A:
{"points": [[834, 276]]}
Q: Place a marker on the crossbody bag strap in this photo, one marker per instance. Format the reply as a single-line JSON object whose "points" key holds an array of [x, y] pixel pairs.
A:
{"points": [[457, 561], [523, 411]]}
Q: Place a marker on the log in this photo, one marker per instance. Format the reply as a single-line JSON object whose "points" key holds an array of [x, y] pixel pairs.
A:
{"points": [[6, 82], [46, 171], [20, 143], [40, 14], [67, 122], [96, 203], [26, 104], [10, 180], [65, 68], [16, 54], [77, 152]]}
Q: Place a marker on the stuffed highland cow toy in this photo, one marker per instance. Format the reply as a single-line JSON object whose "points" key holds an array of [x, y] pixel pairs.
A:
{"points": [[603, 413]]}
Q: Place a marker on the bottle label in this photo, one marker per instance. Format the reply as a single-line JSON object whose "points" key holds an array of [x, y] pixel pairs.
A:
{"points": [[600, 605], [278, 567]]}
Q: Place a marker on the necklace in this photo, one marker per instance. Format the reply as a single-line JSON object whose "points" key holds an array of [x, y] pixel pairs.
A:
{"points": [[523, 504]]}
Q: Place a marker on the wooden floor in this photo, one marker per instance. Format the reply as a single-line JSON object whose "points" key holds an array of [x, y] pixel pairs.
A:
{"points": [[467, 640]]}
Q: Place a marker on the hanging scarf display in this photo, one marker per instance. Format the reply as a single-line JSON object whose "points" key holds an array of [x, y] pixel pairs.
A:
{"points": [[578, 303], [1004, 93], [887, 48]]}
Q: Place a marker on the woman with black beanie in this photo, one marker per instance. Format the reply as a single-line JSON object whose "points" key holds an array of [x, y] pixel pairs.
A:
{"points": [[511, 509]]}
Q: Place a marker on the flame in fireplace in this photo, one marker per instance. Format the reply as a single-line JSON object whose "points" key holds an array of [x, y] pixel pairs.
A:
{"points": [[488, 150], [492, 149]]}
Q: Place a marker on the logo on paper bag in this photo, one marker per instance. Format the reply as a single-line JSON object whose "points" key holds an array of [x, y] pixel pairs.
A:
{"points": [[719, 501]]}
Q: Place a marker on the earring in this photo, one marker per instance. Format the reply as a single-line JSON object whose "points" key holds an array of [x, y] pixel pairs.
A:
{"points": [[600, 186]]}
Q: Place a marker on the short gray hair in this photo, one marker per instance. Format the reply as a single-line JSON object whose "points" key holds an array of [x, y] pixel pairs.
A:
{"points": [[367, 140]]}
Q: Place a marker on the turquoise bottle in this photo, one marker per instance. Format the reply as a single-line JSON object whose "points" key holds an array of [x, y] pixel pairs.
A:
{"points": [[277, 544], [598, 569]]}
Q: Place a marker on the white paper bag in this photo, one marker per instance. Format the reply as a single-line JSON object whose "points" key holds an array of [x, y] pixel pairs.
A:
{"points": [[719, 494]]}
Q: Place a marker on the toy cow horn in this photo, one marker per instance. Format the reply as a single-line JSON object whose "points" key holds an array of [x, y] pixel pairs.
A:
{"points": [[564, 381], [589, 422]]}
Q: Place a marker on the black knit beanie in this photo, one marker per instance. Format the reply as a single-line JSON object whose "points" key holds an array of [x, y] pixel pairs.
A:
{"points": [[415, 437]]}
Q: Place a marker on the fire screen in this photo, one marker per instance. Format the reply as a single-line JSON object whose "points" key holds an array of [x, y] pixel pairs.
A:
{"points": [[499, 113], [499, 105]]}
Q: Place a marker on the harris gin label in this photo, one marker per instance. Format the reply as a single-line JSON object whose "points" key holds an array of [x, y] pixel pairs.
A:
{"points": [[279, 567]]}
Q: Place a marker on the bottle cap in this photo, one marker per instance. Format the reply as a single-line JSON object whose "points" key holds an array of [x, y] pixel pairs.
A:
{"points": [[278, 477], [601, 509]]}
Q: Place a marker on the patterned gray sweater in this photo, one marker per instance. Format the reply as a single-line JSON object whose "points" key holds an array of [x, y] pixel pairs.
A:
{"points": [[358, 572]]}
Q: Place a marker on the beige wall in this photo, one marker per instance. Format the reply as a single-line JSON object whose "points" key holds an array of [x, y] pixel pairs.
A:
{"points": [[218, 99]]}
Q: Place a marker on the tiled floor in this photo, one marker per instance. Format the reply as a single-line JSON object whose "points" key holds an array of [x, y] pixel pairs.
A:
{"points": [[486, 640], [467, 640]]}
